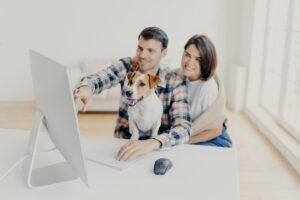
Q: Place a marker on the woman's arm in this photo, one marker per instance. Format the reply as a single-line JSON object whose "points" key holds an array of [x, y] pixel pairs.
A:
{"points": [[205, 135]]}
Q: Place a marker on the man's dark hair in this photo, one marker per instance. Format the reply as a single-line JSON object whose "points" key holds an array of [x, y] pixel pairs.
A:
{"points": [[156, 34], [208, 55]]}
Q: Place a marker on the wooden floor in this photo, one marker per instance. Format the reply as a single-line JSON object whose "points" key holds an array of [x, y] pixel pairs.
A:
{"points": [[264, 173]]}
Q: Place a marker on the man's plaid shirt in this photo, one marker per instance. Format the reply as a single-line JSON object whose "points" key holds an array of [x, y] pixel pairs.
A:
{"points": [[172, 91]]}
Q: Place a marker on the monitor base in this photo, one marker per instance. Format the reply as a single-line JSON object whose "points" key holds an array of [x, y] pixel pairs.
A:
{"points": [[51, 174]]}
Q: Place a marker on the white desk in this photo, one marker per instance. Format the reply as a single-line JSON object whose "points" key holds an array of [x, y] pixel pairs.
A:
{"points": [[198, 173]]}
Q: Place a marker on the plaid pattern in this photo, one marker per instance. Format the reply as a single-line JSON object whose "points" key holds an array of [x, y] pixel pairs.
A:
{"points": [[172, 90]]}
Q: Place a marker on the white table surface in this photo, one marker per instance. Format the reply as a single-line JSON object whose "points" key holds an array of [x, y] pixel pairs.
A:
{"points": [[198, 172]]}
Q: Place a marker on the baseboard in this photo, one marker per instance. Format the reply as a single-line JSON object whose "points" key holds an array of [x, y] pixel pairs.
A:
{"points": [[281, 140]]}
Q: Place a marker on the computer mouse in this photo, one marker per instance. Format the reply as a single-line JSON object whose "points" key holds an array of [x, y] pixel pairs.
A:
{"points": [[162, 165]]}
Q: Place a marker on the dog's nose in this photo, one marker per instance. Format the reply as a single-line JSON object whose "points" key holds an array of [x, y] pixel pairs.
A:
{"points": [[128, 93]]}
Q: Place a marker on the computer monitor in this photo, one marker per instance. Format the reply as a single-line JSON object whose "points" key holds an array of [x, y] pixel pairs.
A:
{"points": [[56, 110]]}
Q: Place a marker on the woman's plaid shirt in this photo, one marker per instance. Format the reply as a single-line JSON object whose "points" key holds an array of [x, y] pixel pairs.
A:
{"points": [[172, 90]]}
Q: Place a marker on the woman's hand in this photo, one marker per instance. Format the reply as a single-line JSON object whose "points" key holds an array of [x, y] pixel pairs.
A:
{"points": [[205, 136]]}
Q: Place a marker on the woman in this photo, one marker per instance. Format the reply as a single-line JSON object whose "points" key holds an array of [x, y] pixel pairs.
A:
{"points": [[205, 93]]}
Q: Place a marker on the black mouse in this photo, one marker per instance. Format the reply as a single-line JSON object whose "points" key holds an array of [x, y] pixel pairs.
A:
{"points": [[162, 165]]}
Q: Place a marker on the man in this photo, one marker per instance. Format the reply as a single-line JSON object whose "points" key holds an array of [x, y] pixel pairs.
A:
{"points": [[172, 91]]}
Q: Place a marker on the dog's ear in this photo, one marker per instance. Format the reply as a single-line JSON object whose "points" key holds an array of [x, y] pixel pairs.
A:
{"points": [[130, 75], [134, 62], [153, 81]]}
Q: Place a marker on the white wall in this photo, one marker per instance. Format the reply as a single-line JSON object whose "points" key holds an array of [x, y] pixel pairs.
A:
{"points": [[69, 31], [247, 18], [240, 41]]}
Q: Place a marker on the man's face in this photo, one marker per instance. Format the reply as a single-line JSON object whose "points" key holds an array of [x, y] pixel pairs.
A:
{"points": [[149, 53]]}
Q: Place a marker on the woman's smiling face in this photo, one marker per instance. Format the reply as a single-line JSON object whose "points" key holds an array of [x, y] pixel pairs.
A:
{"points": [[190, 63]]}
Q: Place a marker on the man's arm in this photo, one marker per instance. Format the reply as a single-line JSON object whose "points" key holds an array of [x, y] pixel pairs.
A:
{"points": [[96, 83], [180, 118], [108, 77]]}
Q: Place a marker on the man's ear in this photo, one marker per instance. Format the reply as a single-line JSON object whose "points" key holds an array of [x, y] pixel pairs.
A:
{"points": [[164, 52], [153, 81]]}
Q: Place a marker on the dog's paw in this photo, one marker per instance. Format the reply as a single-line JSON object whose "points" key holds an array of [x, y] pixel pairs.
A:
{"points": [[134, 137]]}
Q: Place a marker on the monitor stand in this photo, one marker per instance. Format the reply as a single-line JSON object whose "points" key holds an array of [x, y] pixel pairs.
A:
{"points": [[55, 173]]}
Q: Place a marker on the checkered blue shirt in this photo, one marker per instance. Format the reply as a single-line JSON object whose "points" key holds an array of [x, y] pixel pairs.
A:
{"points": [[172, 91]]}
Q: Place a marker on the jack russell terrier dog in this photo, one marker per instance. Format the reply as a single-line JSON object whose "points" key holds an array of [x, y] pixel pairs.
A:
{"points": [[145, 108]]}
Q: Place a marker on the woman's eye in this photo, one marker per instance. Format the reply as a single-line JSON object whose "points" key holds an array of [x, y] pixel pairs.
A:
{"points": [[187, 55], [142, 84]]}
